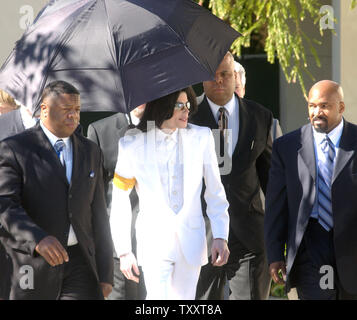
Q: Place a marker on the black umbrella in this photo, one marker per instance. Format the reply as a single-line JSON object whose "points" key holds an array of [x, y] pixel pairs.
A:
{"points": [[118, 53]]}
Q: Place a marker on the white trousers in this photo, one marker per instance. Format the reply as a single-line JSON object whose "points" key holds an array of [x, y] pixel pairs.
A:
{"points": [[171, 278]]}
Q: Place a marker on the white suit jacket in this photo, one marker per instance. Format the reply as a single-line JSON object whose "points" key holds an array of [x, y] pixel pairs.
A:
{"points": [[157, 225]]}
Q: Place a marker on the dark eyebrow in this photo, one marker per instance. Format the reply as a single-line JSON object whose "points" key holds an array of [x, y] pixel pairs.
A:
{"points": [[70, 106], [324, 102]]}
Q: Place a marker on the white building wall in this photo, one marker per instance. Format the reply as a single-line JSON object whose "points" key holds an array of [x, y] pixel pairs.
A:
{"points": [[338, 62], [15, 15], [293, 105], [347, 58]]}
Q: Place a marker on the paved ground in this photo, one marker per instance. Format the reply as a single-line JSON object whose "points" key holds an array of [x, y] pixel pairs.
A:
{"points": [[292, 295]]}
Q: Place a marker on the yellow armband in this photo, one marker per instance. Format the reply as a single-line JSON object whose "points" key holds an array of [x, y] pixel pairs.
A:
{"points": [[123, 183]]}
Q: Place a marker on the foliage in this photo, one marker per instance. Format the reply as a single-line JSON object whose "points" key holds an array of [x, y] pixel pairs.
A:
{"points": [[280, 23], [278, 290]]}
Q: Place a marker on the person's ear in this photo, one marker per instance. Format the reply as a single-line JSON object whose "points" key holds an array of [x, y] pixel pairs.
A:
{"points": [[235, 74], [44, 109], [342, 107]]}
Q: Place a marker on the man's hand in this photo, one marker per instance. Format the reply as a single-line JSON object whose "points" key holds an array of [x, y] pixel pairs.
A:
{"points": [[52, 251], [274, 269], [129, 267], [219, 252], [106, 289]]}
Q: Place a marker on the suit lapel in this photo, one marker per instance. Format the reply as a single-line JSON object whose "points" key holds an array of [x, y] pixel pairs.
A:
{"points": [[307, 151], [205, 116], [246, 126], [184, 153], [78, 160], [346, 150], [48, 155], [151, 158]]}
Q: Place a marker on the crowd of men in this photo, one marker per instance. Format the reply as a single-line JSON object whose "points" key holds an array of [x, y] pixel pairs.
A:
{"points": [[291, 198]]}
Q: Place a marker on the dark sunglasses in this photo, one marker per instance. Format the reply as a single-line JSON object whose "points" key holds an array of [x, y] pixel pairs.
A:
{"points": [[181, 105]]}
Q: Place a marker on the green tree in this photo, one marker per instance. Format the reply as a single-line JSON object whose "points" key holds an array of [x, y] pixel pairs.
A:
{"points": [[279, 22]]}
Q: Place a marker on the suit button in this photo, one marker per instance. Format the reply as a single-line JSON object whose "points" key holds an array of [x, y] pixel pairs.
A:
{"points": [[70, 196], [70, 214]]}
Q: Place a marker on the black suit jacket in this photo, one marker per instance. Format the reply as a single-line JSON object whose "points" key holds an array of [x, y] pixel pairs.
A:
{"points": [[250, 167], [36, 200], [11, 124], [291, 194]]}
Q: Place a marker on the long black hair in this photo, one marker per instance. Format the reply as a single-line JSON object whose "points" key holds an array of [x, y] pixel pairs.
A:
{"points": [[162, 108]]}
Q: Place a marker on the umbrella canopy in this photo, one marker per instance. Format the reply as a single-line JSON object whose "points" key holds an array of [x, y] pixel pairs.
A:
{"points": [[118, 53]]}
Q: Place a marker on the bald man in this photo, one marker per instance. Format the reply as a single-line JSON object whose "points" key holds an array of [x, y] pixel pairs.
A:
{"points": [[311, 202]]}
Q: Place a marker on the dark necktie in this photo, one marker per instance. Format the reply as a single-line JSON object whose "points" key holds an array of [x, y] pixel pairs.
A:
{"points": [[222, 125], [59, 146], [324, 186]]}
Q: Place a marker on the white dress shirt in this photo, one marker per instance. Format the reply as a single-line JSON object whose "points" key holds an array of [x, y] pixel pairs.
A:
{"points": [[232, 108], [134, 119], [170, 167], [67, 158]]}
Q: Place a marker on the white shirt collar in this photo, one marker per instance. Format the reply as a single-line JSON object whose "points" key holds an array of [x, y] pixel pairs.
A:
{"points": [[334, 135], [135, 120], [229, 106], [52, 137], [27, 120], [163, 136]]}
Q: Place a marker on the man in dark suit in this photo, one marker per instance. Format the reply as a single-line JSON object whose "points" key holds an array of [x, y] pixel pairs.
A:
{"points": [[11, 123], [15, 121], [106, 134], [311, 202], [244, 171], [52, 207]]}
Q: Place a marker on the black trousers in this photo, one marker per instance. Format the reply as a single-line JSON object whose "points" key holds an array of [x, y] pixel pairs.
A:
{"points": [[250, 278], [314, 266], [79, 282], [125, 289], [5, 267], [246, 274], [211, 283]]}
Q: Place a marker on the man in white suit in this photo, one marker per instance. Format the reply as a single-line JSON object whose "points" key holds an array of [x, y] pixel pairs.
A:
{"points": [[166, 164]]}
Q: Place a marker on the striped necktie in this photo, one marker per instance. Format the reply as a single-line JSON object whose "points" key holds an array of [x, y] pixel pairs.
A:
{"points": [[324, 185], [59, 146]]}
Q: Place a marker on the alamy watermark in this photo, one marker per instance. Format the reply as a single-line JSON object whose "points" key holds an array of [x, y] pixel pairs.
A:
{"points": [[27, 280], [327, 280], [327, 21], [27, 15]]}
